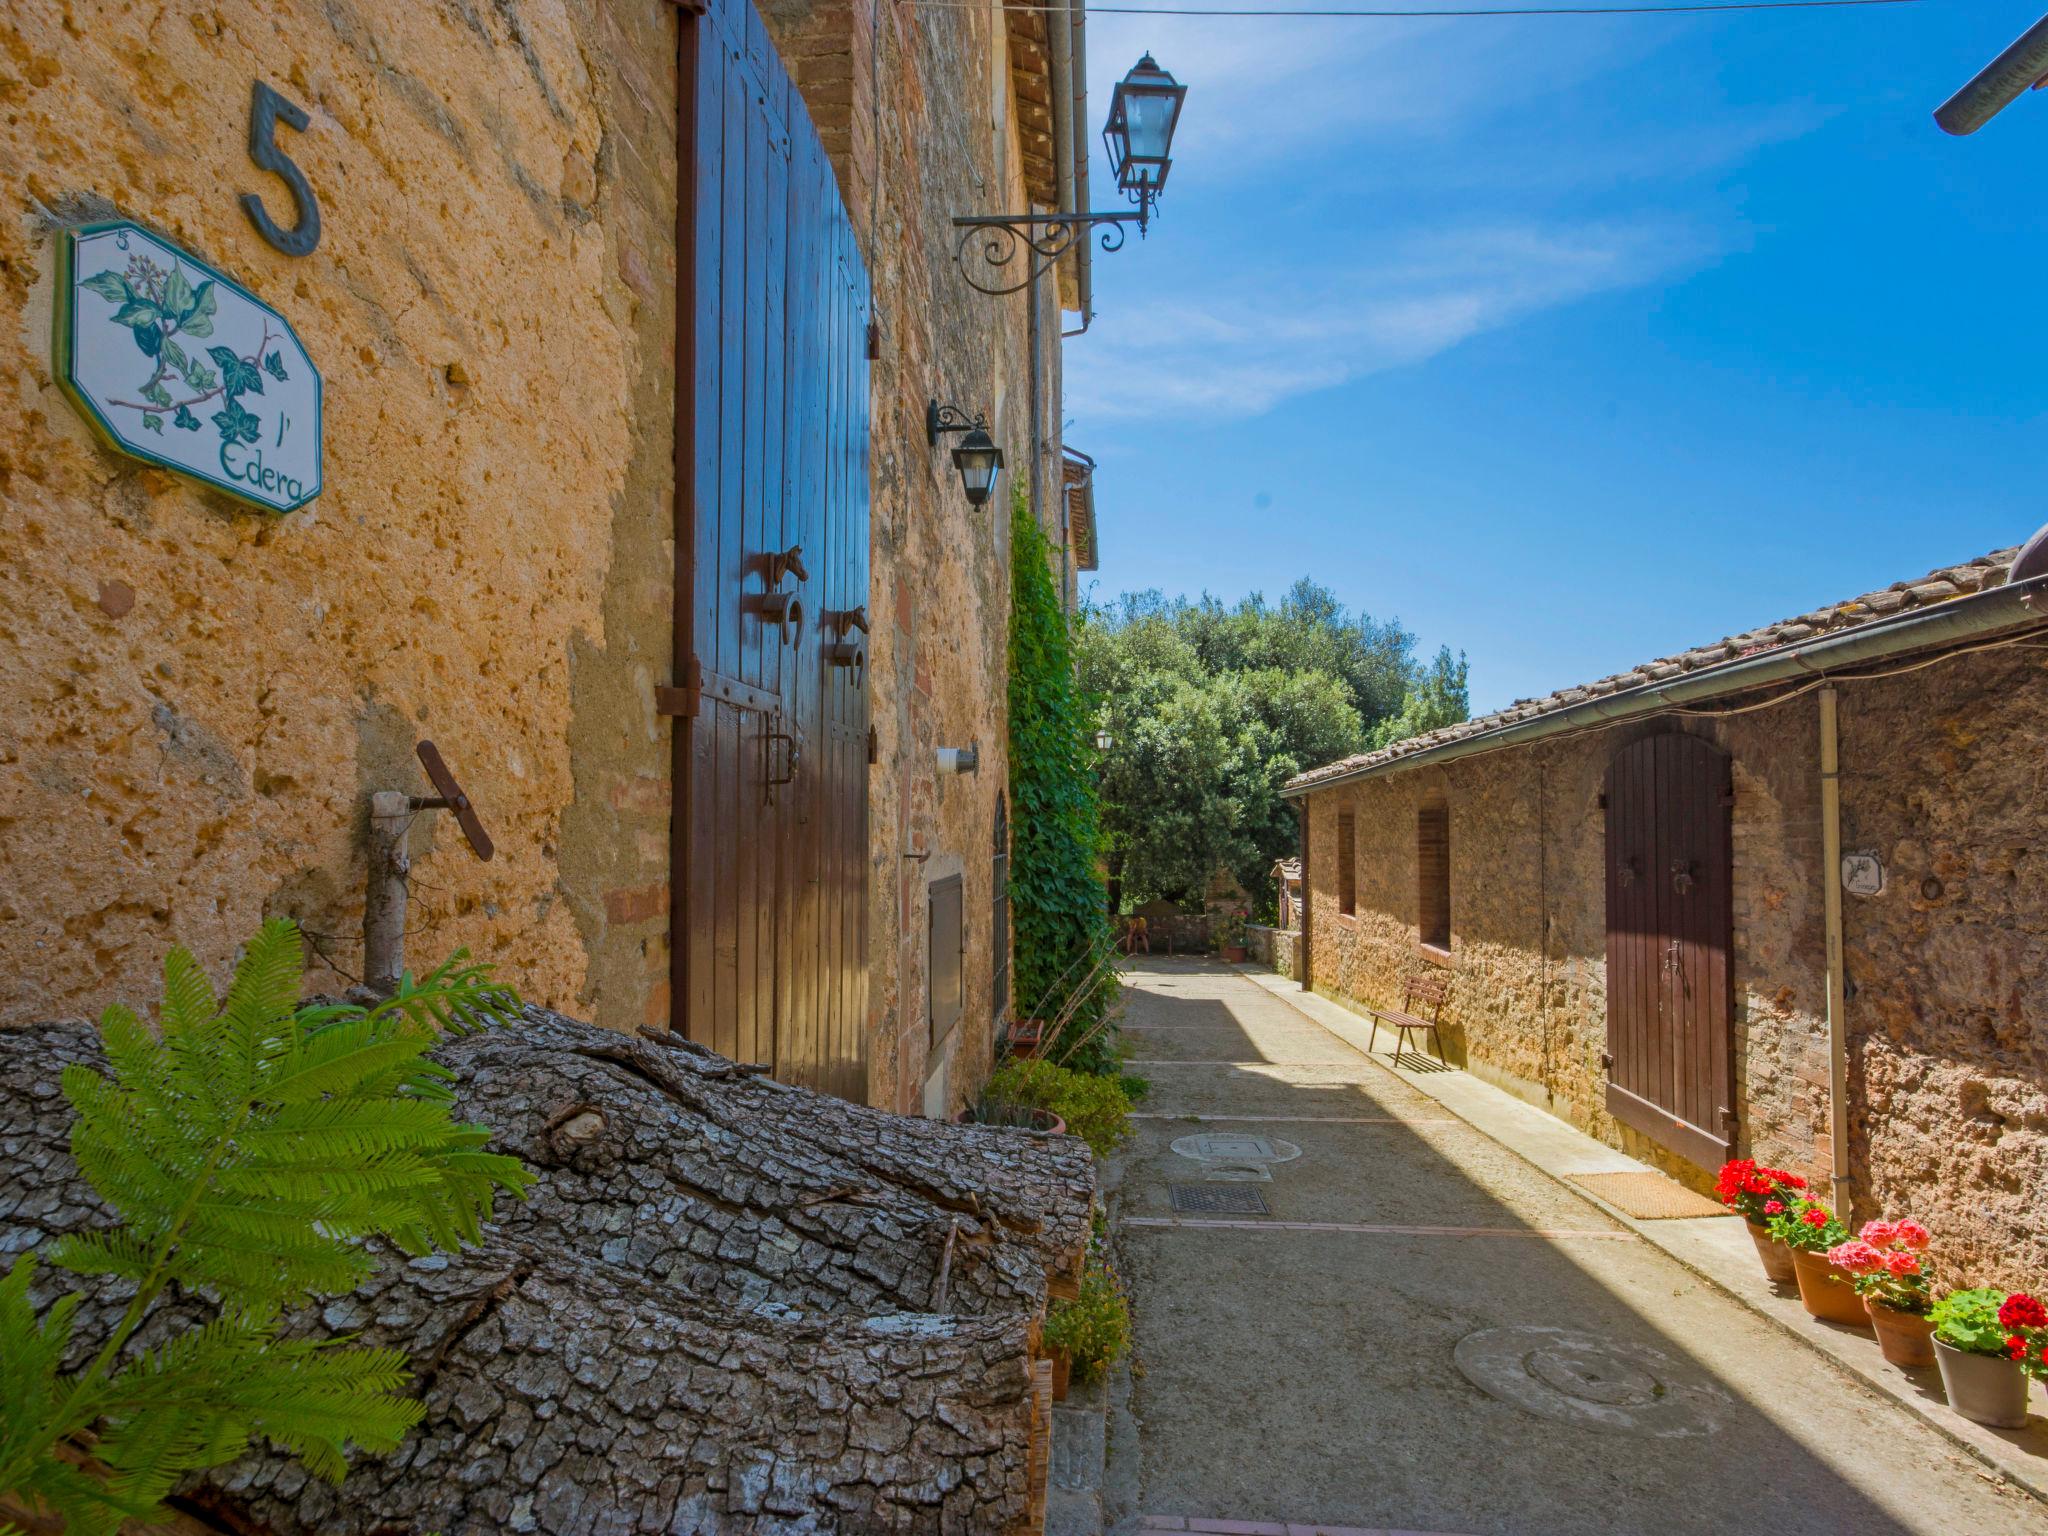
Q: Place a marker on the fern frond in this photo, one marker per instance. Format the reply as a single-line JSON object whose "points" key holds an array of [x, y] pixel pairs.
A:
{"points": [[103, 1253]]}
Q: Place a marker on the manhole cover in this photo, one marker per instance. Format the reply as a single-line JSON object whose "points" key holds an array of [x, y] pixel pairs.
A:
{"points": [[1217, 1200], [1235, 1147], [1581, 1378]]}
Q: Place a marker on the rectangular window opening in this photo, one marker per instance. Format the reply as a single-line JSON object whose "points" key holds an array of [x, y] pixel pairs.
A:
{"points": [[1433, 875], [1347, 864], [948, 952]]}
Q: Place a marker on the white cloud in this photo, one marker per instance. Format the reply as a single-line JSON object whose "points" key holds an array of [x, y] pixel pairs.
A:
{"points": [[1250, 340]]}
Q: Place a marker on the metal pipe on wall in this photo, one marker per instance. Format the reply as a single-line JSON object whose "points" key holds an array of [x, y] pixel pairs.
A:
{"points": [[1831, 919]]}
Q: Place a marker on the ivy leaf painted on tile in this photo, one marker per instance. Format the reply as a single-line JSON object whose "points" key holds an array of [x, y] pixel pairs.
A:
{"points": [[137, 313], [198, 320], [153, 422], [149, 338], [185, 419], [174, 354], [274, 366], [237, 425], [177, 297], [155, 393], [109, 285], [239, 377]]}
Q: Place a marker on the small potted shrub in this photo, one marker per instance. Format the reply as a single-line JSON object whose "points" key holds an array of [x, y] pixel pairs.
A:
{"points": [[1756, 1194], [1091, 1332], [1982, 1341], [1884, 1259], [1809, 1229], [1085, 1104], [1230, 935]]}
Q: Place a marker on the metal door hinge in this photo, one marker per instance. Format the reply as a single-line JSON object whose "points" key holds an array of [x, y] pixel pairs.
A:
{"points": [[874, 341], [681, 699]]}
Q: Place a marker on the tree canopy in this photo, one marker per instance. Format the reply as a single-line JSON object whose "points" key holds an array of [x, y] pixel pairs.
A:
{"points": [[1211, 708]]}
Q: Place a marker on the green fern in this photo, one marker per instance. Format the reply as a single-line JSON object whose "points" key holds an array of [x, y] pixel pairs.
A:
{"points": [[249, 1145]]}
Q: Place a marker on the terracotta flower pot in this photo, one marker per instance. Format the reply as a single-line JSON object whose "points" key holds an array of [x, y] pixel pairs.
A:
{"points": [[1776, 1256], [1062, 1374], [1032, 1120], [1906, 1338], [1988, 1388], [1234, 953], [1826, 1292]]}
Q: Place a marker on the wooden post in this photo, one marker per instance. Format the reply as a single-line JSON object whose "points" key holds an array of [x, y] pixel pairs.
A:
{"points": [[384, 900]]}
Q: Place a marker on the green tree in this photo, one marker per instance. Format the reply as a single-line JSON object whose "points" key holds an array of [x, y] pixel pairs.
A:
{"points": [[1211, 708], [1059, 916]]}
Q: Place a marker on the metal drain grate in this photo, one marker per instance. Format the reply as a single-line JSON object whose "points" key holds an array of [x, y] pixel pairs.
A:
{"points": [[1218, 1200]]}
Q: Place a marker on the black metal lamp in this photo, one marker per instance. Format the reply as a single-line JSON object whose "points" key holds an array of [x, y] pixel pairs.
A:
{"points": [[1104, 741], [1139, 134], [1013, 250], [977, 457]]}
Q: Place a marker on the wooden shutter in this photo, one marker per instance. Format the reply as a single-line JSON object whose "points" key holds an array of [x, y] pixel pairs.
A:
{"points": [[770, 841], [1433, 875]]}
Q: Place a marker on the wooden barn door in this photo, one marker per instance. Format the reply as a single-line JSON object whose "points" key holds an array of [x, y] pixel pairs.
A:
{"points": [[770, 842], [1670, 922]]}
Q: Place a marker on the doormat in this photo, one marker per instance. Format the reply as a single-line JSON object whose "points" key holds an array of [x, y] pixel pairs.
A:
{"points": [[1218, 1200], [1647, 1196]]}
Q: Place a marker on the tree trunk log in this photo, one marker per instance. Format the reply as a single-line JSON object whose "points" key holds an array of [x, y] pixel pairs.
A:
{"points": [[713, 1313]]}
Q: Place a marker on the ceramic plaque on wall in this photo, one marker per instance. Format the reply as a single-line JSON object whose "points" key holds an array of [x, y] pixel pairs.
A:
{"points": [[181, 366]]}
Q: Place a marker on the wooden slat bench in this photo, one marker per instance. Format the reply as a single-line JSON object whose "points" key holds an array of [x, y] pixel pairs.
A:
{"points": [[1420, 991]]}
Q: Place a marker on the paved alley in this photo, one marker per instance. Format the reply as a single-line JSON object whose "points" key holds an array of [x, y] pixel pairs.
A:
{"points": [[1421, 1332]]}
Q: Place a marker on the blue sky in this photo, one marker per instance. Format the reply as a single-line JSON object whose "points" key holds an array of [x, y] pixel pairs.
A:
{"points": [[1571, 341]]}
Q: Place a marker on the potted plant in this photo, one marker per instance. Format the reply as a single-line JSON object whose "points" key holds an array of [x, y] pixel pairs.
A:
{"points": [[1982, 1355], [1092, 1331], [1756, 1194], [1230, 935], [1884, 1259], [1091, 1106], [1809, 1229]]}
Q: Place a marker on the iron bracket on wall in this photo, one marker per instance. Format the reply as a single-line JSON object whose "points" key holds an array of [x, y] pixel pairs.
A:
{"points": [[1038, 240], [682, 697]]}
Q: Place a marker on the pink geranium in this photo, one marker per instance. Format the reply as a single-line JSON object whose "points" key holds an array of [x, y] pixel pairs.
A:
{"points": [[1879, 1234], [1884, 1259], [1912, 1234], [1856, 1256]]}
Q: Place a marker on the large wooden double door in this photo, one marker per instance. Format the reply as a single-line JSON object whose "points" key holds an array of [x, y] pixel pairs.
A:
{"points": [[771, 745], [1670, 923]]}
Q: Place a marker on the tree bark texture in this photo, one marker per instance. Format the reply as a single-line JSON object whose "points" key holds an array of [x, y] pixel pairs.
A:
{"points": [[715, 1311]]}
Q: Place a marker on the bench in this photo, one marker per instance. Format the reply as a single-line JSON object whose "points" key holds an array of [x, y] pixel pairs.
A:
{"points": [[1420, 992]]}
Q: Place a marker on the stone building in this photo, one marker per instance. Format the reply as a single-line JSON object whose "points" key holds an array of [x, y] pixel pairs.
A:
{"points": [[535, 221], [1633, 889]]}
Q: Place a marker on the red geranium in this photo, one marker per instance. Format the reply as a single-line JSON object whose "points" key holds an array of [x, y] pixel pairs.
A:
{"points": [[2023, 1311], [1754, 1191], [1815, 1217]]}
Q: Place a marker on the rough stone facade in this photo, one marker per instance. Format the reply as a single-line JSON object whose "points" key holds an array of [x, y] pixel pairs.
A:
{"points": [[198, 698], [1947, 969]]}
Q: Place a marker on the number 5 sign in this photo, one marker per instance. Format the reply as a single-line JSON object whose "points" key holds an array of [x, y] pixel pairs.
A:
{"points": [[178, 365]]}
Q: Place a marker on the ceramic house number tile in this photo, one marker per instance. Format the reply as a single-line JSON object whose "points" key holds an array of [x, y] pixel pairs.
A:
{"points": [[178, 365]]}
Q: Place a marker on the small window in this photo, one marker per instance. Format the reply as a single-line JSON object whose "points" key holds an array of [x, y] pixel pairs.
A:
{"points": [[1433, 875], [999, 925], [948, 949], [1347, 864]]}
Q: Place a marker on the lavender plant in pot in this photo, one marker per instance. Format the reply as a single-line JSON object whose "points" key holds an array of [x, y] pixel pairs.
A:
{"points": [[1982, 1356], [1809, 1229], [1884, 1261]]}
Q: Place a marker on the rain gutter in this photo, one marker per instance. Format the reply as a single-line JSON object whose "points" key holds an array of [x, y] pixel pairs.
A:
{"points": [[2018, 605], [1077, 132]]}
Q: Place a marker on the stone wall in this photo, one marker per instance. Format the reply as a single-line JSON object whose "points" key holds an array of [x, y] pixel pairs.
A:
{"points": [[1947, 969], [199, 698]]}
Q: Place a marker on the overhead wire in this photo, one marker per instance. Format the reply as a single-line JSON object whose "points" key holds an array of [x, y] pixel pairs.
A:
{"points": [[1378, 13]]}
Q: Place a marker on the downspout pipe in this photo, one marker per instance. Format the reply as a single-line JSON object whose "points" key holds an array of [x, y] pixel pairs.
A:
{"points": [[1831, 918], [2017, 605], [1077, 132], [1998, 83]]}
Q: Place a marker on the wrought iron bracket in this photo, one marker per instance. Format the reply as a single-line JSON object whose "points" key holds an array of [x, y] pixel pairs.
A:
{"points": [[1005, 242]]}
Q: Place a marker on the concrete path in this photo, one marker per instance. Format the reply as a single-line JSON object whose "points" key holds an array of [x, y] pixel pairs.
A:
{"points": [[1423, 1333]]}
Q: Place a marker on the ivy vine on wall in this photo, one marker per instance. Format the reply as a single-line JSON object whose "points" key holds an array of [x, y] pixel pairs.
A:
{"points": [[1058, 905]]}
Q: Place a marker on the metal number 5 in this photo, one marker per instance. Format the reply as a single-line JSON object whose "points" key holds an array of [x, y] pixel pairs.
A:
{"points": [[266, 108]]}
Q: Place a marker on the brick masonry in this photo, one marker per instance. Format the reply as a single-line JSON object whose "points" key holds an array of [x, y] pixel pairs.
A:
{"points": [[1947, 968]]}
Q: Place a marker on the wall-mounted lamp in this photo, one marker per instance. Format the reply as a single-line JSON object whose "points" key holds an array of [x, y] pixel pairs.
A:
{"points": [[1143, 112], [977, 457], [1104, 741], [960, 759]]}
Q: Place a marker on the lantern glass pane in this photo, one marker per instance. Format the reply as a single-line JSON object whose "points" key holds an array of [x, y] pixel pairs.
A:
{"points": [[1150, 118]]}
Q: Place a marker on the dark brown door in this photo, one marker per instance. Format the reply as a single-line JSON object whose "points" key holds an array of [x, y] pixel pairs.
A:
{"points": [[770, 846], [1670, 1019]]}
